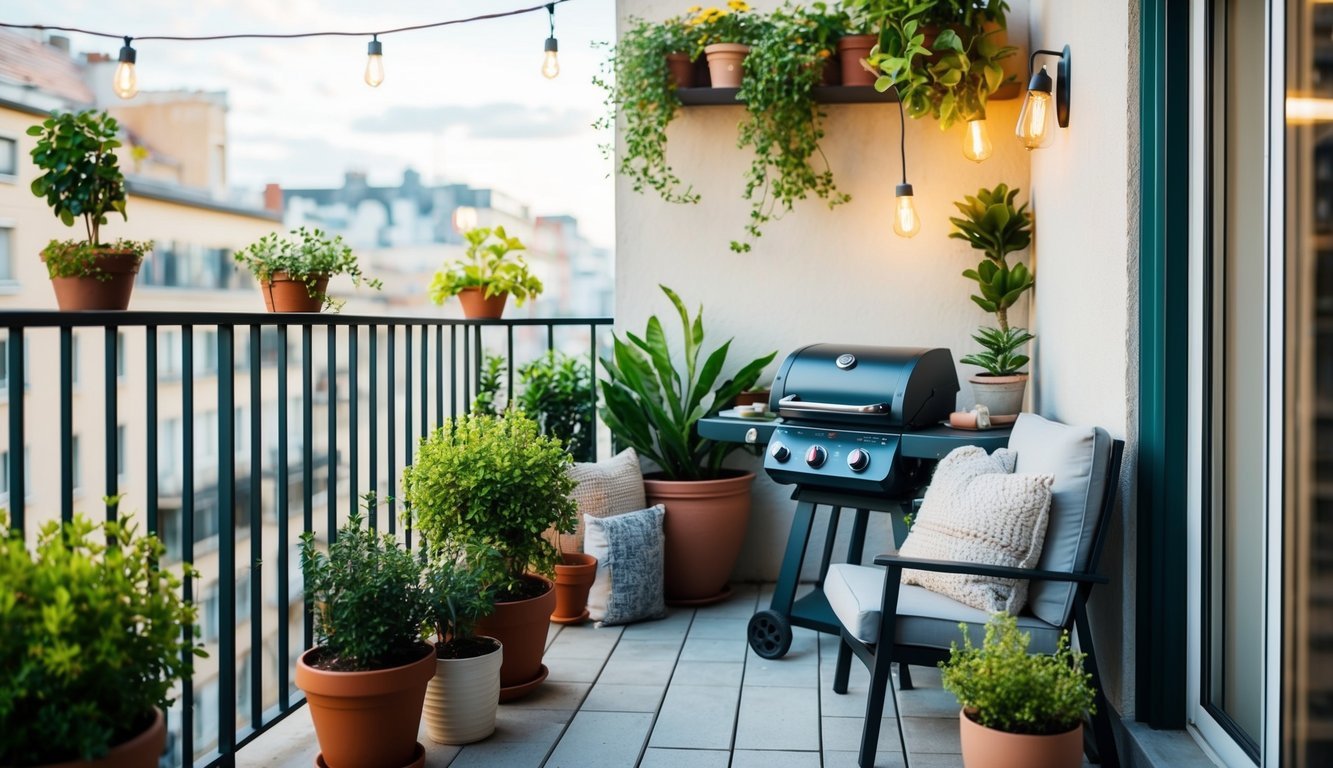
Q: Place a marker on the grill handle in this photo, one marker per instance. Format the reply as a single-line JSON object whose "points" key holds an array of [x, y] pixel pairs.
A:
{"points": [[793, 404]]}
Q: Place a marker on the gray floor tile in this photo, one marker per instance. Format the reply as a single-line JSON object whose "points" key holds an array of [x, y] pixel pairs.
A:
{"points": [[511, 754], [673, 627], [720, 628], [552, 695], [633, 672], [696, 717], [933, 735], [713, 673], [711, 649], [839, 759], [437, 755], [844, 734], [613, 697], [928, 702], [537, 725], [568, 669], [778, 718], [685, 758], [850, 704], [647, 650], [772, 759], [609, 739], [584, 643], [791, 673], [741, 604]]}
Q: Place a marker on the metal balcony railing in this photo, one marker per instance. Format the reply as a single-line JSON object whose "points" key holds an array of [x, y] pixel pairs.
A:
{"points": [[331, 406]]}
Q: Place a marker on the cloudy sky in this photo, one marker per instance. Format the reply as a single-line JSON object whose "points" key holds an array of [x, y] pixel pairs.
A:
{"points": [[465, 103]]}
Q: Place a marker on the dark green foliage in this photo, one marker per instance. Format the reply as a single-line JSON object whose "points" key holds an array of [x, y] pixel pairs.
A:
{"points": [[92, 637], [1001, 357], [555, 390], [488, 386], [991, 224], [1004, 687], [650, 406], [305, 255], [69, 258], [366, 595], [81, 175], [457, 597]]}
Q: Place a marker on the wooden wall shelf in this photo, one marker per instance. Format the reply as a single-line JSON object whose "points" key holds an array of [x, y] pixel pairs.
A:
{"points": [[824, 94]]}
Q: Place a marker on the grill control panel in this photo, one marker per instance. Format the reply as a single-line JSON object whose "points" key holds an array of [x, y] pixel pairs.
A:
{"points": [[837, 459]]}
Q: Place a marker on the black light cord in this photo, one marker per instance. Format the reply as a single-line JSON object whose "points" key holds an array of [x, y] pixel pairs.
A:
{"points": [[902, 137], [549, 7], [550, 10]]}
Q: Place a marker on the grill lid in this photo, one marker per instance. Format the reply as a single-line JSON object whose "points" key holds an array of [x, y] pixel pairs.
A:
{"points": [[884, 387]]}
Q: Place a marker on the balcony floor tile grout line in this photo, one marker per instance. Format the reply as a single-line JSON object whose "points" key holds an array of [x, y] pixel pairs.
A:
{"points": [[565, 726], [643, 750], [740, 689]]}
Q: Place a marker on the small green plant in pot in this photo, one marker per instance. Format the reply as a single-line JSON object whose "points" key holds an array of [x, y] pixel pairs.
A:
{"points": [[462, 697], [92, 643], [294, 270], [493, 270], [1026, 707], [81, 180]]}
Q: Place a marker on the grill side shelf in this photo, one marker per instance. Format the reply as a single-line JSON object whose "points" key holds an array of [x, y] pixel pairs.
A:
{"points": [[734, 430]]}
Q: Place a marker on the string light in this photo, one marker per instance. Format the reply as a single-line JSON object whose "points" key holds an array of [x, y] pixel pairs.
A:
{"points": [[906, 223], [374, 62], [551, 62], [126, 81], [976, 141]]}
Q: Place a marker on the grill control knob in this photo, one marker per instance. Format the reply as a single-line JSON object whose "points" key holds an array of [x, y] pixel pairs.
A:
{"points": [[780, 453], [816, 456], [858, 459]]}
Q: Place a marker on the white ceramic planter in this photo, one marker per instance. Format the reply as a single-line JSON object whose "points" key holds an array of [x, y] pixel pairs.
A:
{"points": [[1003, 395], [462, 698]]}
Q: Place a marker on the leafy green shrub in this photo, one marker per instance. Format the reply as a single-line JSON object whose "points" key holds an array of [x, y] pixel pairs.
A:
{"points": [[489, 266], [457, 597], [94, 637], [1001, 686], [305, 255], [369, 608], [655, 408], [555, 390], [489, 486]]}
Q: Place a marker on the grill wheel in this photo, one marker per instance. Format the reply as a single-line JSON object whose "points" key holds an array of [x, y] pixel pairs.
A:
{"points": [[769, 633]]}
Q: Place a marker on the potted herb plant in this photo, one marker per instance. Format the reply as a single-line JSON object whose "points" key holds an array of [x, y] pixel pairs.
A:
{"points": [[366, 679], [462, 697], [725, 36], [654, 407], [493, 270], [1018, 708], [488, 486], [92, 645], [81, 179], [294, 271], [992, 224]]}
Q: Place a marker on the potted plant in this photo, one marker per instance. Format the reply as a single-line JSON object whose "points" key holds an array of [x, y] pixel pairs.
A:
{"points": [[462, 697], [365, 680], [991, 224], [491, 273], [488, 486], [725, 36], [294, 271], [1018, 708], [653, 406], [81, 179], [92, 645]]}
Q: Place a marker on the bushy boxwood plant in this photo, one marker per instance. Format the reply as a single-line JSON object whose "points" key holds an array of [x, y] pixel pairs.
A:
{"points": [[494, 263], [488, 486], [369, 607], [1002, 686], [93, 636], [305, 255]]}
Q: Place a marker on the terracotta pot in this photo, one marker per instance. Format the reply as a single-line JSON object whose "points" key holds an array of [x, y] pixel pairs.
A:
{"points": [[752, 396], [852, 49], [367, 719], [573, 580], [988, 748], [726, 63], [832, 74], [80, 293], [476, 306], [462, 697], [284, 294], [521, 627], [1003, 395], [680, 70], [704, 529], [141, 751]]}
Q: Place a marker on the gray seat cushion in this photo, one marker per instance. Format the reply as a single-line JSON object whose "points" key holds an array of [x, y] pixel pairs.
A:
{"points": [[856, 592]]}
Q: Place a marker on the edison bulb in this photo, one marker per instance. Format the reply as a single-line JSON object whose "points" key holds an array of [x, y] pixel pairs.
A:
{"points": [[1034, 122], [905, 221], [976, 141], [125, 82], [374, 63], [551, 62]]}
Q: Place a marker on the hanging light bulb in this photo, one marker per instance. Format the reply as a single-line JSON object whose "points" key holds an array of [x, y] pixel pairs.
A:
{"points": [[1034, 121], [905, 221], [374, 62], [976, 141], [126, 82], [551, 61]]}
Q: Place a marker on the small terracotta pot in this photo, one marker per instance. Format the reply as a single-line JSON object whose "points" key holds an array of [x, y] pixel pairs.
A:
{"points": [[521, 627], [680, 70], [141, 751], [852, 49], [476, 305], [704, 529], [462, 697], [1003, 395], [573, 581], [86, 293], [284, 294], [726, 63], [832, 73], [988, 748], [367, 719]]}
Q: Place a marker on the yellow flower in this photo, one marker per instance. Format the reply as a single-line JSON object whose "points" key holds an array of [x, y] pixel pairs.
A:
{"points": [[824, 53], [693, 9], [738, 6]]}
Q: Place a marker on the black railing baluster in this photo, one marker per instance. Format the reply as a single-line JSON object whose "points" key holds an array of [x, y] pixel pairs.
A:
{"points": [[227, 539], [439, 375], [150, 426], [17, 487], [283, 512], [453, 371], [550, 338], [425, 381], [187, 527], [256, 534], [407, 418], [467, 368], [391, 379], [353, 403], [509, 355], [66, 424], [331, 376], [477, 358], [307, 465], [111, 422], [592, 372], [374, 409]]}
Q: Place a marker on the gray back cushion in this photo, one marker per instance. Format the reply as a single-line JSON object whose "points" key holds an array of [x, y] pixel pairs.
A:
{"points": [[1077, 457]]}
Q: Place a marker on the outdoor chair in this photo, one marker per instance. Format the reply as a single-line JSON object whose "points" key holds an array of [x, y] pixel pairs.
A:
{"points": [[871, 604]]}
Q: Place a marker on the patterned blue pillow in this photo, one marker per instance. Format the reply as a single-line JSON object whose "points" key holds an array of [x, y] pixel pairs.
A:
{"points": [[629, 552]]}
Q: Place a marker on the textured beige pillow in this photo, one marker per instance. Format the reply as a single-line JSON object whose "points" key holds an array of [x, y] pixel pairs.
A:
{"points": [[605, 488], [976, 511]]}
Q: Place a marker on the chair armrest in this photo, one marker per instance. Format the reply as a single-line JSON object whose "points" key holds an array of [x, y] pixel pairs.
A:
{"points": [[981, 569]]}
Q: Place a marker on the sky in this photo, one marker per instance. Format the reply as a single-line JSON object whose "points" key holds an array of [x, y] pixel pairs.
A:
{"points": [[464, 103]]}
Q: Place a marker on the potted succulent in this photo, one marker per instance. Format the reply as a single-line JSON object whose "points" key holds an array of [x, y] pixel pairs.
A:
{"points": [[991, 224], [493, 270], [725, 36], [81, 179], [654, 407], [366, 679], [462, 697], [1018, 708], [488, 486], [294, 271], [92, 645]]}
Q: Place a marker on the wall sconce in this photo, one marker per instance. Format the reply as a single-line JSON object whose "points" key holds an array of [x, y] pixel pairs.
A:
{"points": [[1034, 122]]}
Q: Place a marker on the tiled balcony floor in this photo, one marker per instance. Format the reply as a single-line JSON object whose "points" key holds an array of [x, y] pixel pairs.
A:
{"points": [[685, 691]]}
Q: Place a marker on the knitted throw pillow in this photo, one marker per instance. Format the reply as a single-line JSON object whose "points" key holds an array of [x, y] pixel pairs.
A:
{"points": [[630, 560], [977, 511], [605, 488]]}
